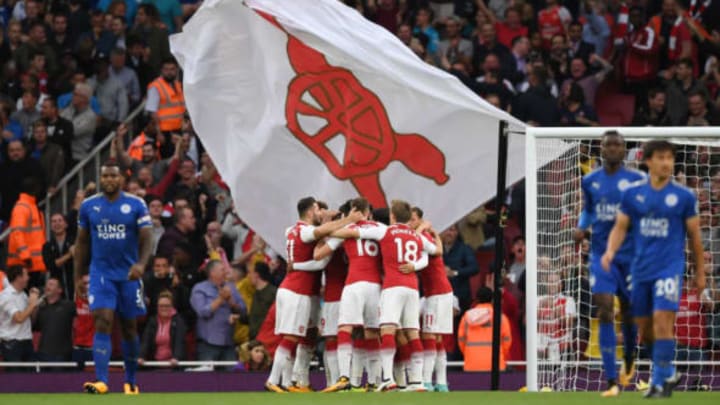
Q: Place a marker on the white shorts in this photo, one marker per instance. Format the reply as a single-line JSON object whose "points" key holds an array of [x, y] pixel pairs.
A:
{"points": [[295, 313], [359, 305], [437, 314], [400, 306], [329, 318]]}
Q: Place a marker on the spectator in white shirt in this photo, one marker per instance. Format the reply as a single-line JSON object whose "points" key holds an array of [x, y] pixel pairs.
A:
{"points": [[16, 309]]}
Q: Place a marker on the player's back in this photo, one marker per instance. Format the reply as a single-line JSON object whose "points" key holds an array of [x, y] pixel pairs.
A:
{"points": [[658, 227], [114, 232], [401, 244], [335, 274], [603, 192], [300, 246], [434, 278], [364, 258]]}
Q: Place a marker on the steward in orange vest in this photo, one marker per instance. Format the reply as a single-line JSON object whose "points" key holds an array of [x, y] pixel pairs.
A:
{"points": [[171, 105], [475, 335], [27, 236]]}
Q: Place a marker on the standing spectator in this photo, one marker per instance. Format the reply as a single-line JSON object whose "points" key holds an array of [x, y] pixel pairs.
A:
{"points": [[83, 119], [138, 57], [516, 272], [83, 324], [596, 30], [674, 37], [516, 67], [454, 48], [61, 40], [180, 232], [537, 106], [54, 321], [118, 27], [149, 155], [235, 230], [170, 13], [552, 21], [218, 306], [111, 95], [28, 114], [678, 90], [263, 298], [460, 265], [164, 336], [640, 59], [164, 278], [60, 130], [576, 45], [557, 315], [49, 155], [654, 113], [166, 101], [155, 208], [27, 237], [471, 228], [58, 255], [149, 27], [37, 42], [405, 34], [475, 334], [423, 25], [14, 170], [487, 43], [509, 28], [16, 308], [127, 76]]}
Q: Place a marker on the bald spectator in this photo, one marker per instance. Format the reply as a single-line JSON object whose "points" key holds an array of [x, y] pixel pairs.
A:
{"points": [[83, 119], [181, 231]]}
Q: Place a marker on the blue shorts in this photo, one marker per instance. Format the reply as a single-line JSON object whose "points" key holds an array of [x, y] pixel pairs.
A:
{"points": [[615, 282], [660, 294], [123, 296]]}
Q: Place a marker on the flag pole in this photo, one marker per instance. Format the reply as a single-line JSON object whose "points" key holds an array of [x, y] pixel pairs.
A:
{"points": [[503, 133]]}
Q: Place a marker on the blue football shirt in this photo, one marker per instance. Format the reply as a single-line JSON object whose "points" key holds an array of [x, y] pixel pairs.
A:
{"points": [[114, 229]]}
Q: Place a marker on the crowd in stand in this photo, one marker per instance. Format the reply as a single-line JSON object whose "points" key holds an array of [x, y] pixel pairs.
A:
{"points": [[73, 70]]}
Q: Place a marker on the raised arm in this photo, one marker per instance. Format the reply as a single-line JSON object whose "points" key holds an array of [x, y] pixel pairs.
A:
{"points": [[332, 226]]}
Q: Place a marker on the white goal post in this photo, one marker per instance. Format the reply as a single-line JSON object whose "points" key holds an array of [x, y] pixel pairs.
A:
{"points": [[555, 159]]}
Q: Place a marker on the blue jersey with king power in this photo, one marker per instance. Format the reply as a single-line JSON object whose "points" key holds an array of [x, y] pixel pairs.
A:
{"points": [[657, 225], [114, 228], [602, 193]]}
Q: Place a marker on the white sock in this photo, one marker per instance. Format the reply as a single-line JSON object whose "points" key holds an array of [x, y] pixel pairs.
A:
{"points": [[374, 366], [345, 357], [301, 369], [441, 368], [357, 366], [282, 359], [399, 373], [429, 358], [287, 372], [415, 368], [331, 365]]}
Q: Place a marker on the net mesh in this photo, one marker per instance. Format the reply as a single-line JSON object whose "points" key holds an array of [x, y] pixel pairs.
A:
{"points": [[567, 335]]}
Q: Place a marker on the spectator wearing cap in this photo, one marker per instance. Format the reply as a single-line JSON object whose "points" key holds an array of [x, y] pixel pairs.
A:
{"points": [[60, 131], [218, 307], [263, 298], [127, 76], [58, 254], [147, 26], [50, 155], [84, 120]]}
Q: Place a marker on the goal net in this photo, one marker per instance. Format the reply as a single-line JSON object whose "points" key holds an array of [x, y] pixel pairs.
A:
{"points": [[562, 331]]}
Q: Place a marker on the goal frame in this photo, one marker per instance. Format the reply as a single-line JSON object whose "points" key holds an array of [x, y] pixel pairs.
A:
{"points": [[532, 134]]}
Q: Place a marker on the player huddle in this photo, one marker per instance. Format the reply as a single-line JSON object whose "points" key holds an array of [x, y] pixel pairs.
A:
{"points": [[371, 311], [639, 226]]}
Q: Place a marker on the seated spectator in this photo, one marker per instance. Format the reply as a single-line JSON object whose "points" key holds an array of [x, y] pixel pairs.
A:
{"points": [[253, 357], [700, 113], [163, 278], [557, 315], [16, 307], [58, 255], [218, 307], [54, 321], [148, 27], [654, 113], [164, 335], [460, 265], [83, 325], [83, 119], [263, 298], [405, 34], [48, 154], [575, 111], [679, 88], [475, 334]]}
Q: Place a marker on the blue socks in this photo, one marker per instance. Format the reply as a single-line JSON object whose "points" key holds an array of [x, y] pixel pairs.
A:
{"points": [[663, 355], [630, 332], [608, 346], [131, 350], [102, 349]]}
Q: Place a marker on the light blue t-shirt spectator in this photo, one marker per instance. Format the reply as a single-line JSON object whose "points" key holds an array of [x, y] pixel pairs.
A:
{"points": [[168, 9], [131, 7]]}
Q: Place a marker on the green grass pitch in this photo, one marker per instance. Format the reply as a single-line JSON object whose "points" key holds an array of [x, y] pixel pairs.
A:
{"points": [[453, 398]]}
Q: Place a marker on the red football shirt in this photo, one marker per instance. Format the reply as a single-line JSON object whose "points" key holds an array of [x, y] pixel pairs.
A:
{"points": [[300, 245], [433, 277], [365, 261], [335, 274]]}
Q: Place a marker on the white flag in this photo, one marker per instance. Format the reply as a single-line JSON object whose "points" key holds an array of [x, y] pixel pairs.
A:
{"points": [[307, 97]]}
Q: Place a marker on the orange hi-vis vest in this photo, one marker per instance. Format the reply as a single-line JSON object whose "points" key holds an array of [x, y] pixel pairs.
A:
{"points": [[475, 338], [2, 280], [136, 146], [171, 108], [27, 236]]}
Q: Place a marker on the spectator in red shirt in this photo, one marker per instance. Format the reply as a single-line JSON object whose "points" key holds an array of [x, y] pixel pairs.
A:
{"points": [[83, 324], [553, 20], [691, 325], [507, 29]]}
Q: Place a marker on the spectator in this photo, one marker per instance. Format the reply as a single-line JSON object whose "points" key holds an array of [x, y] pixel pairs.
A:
{"points": [[557, 315], [218, 306], [552, 21], [674, 37], [123, 8], [235, 230], [588, 82], [16, 308], [111, 95], [537, 106], [423, 26], [180, 232], [487, 43], [83, 324], [509, 28], [118, 27], [516, 67], [185, 264], [640, 59], [60, 130], [27, 237], [149, 27], [691, 325], [678, 90], [65, 99], [164, 278], [120, 71], [475, 334], [54, 321], [512, 309], [559, 60], [454, 49], [58, 255], [149, 156], [596, 30], [188, 183], [653, 114], [164, 335], [263, 298], [700, 113], [83, 119], [13, 41], [37, 42], [516, 272], [61, 39], [166, 101], [471, 228], [28, 114], [253, 357], [155, 208], [14, 170], [460, 265], [577, 46], [575, 111], [50, 156], [170, 13]]}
